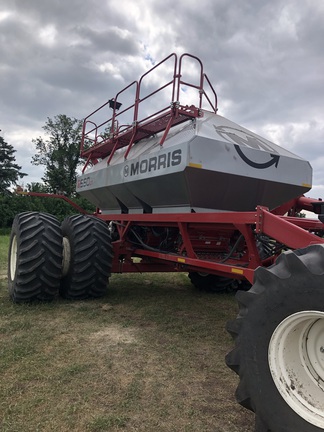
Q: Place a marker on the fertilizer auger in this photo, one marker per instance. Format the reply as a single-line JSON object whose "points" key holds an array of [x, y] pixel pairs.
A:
{"points": [[181, 188]]}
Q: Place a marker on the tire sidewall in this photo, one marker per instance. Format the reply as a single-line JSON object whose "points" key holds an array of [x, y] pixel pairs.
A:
{"points": [[15, 234], [67, 232]]}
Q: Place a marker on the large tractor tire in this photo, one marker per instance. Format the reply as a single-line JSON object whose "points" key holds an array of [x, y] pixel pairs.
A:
{"points": [[35, 257], [212, 283], [87, 257], [279, 344]]}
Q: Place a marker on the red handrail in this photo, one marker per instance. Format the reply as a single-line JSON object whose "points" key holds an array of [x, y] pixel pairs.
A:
{"points": [[127, 134]]}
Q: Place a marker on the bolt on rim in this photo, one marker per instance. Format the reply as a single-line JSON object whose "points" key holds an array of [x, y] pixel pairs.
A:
{"points": [[296, 361]]}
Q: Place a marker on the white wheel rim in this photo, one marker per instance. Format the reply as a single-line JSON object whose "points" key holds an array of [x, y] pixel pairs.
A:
{"points": [[13, 258], [66, 256], [296, 360]]}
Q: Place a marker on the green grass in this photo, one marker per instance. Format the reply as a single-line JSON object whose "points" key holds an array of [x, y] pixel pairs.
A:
{"points": [[4, 246], [147, 357]]}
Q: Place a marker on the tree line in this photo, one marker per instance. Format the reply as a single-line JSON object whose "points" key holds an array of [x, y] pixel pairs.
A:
{"points": [[59, 153]]}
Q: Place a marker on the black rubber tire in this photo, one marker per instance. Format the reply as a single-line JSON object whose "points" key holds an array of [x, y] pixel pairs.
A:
{"points": [[294, 284], [212, 283], [35, 257], [90, 260]]}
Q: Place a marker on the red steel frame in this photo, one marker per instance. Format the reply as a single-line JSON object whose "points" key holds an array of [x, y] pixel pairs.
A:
{"points": [[291, 232], [195, 254]]}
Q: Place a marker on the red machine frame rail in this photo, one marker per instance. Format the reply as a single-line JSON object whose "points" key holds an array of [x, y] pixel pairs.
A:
{"points": [[199, 233], [290, 232]]}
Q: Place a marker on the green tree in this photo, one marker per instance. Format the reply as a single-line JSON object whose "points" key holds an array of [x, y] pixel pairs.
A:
{"points": [[10, 172], [37, 187], [59, 153]]}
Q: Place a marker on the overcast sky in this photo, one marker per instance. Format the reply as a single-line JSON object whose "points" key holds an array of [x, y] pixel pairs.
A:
{"points": [[264, 58]]}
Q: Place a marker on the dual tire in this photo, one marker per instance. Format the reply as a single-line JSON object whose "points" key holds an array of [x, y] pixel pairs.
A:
{"points": [[46, 257]]}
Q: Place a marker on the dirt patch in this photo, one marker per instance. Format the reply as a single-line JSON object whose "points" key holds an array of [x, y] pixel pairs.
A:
{"points": [[113, 335]]}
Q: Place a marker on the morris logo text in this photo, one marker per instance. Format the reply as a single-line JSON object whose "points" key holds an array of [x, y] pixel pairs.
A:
{"points": [[165, 160]]}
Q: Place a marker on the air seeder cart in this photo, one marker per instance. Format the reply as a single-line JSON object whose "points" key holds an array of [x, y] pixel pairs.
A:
{"points": [[185, 189]]}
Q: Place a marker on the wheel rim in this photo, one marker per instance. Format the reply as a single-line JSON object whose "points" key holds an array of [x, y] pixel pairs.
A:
{"points": [[13, 258], [296, 360]]}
